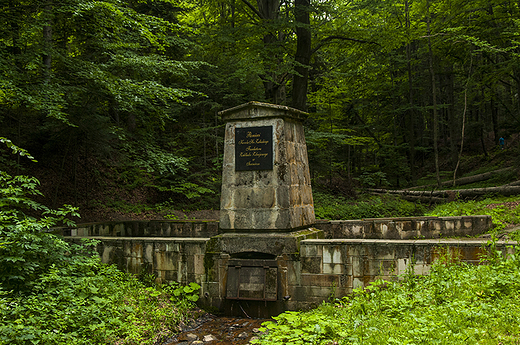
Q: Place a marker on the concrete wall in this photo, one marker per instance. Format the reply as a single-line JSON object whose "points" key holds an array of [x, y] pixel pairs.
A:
{"points": [[341, 265], [406, 228], [147, 228], [169, 259]]}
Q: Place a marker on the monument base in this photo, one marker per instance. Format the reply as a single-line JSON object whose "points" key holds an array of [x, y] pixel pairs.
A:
{"points": [[250, 274]]}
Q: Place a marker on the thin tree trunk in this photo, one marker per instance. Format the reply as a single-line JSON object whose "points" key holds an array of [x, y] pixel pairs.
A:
{"points": [[47, 38], [303, 54], [452, 121], [435, 113], [411, 118]]}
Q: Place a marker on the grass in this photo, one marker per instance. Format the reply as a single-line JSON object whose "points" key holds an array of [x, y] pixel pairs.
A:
{"points": [[327, 206]]}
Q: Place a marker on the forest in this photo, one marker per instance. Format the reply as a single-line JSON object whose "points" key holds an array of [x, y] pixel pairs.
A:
{"points": [[118, 100]]}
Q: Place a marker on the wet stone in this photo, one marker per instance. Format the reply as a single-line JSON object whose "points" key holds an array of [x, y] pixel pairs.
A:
{"points": [[189, 337], [210, 337]]}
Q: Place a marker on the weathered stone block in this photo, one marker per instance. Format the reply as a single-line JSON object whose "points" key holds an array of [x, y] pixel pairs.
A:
{"points": [[315, 280], [332, 254], [311, 264], [358, 264], [331, 268]]}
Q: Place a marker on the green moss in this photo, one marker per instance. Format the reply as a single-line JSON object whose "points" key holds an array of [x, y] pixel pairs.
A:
{"points": [[211, 249]]}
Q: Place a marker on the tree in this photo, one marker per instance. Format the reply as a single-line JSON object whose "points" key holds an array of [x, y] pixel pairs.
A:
{"points": [[88, 79]]}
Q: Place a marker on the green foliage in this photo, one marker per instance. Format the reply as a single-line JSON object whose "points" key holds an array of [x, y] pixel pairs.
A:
{"points": [[29, 248], [372, 180], [87, 302], [327, 206], [504, 211], [15, 149], [456, 303], [55, 292]]}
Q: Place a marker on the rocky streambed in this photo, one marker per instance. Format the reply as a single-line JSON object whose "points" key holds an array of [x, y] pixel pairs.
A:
{"points": [[210, 329]]}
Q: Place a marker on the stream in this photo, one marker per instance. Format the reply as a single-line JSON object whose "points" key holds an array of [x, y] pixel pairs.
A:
{"points": [[211, 329]]}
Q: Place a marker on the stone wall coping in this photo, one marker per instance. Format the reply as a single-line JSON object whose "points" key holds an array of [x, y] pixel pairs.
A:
{"points": [[397, 219], [146, 239], [278, 234], [110, 222], [447, 241]]}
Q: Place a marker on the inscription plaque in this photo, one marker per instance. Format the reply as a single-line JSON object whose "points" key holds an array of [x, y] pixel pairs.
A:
{"points": [[254, 148]]}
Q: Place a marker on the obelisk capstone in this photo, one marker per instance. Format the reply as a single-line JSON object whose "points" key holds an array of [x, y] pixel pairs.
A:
{"points": [[266, 183]]}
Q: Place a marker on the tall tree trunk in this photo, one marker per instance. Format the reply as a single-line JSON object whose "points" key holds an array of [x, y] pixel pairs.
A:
{"points": [[303, 54], [452, 119], [411, 115], [494, 119], [47, 38], [434, 98], [482, 123], [274, 84]]}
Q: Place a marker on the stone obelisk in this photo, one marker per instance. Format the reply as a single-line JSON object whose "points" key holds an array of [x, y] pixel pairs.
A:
{"points": [[266, 183]]}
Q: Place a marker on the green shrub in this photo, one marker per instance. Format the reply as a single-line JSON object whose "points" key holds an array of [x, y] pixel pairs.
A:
{"points": [[54, 292], [87, 302]]}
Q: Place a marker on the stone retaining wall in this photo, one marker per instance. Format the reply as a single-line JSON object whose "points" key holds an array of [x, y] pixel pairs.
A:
{"points": [[169, 259], [312, 264], [406, 228], [147, 228], [341, 265]]}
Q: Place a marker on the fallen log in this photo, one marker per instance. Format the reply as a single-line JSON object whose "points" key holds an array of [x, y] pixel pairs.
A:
{"points": [[455, 193], [467, 180], [424, 199]]}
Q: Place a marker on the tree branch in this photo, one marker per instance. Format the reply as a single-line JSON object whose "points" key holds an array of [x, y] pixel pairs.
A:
{"points": [[342, 38], [253, 8]]}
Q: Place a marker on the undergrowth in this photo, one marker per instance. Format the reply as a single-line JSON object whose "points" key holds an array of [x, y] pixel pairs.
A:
{"points": [[456, 303], [56, 292], [327, 206], [87, 302]]}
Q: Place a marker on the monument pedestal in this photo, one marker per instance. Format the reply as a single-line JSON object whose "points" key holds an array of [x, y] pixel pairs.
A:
{"points": [[265, 180], [254, 274]]}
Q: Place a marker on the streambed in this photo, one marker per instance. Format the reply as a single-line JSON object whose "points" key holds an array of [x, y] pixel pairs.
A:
{"points": [[211, 329]]}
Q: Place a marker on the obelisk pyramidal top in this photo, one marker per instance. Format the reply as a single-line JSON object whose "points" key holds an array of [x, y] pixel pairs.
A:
{"points": [[266, 183]]}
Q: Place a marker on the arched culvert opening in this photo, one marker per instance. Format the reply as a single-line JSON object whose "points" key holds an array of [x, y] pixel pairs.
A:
{"points": [[253, 256]]}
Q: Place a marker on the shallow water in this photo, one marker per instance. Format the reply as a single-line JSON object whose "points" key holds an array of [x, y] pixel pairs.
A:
{"points": [[225, 330]]}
